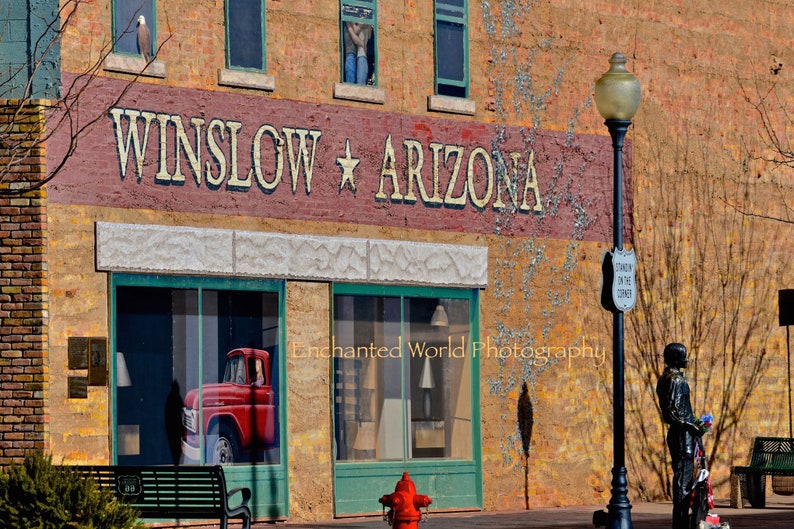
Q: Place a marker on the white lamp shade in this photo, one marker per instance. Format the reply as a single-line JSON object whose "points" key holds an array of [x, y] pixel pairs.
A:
{"points": [[426, 380], [439, 318], [123, 379]]}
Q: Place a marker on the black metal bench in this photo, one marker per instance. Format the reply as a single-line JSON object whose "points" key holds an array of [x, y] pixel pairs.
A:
{"points": [[174, 492], [771, 456]]}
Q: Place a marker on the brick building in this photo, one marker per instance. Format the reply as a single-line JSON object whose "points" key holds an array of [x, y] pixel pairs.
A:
{"points": [[408, 247]]}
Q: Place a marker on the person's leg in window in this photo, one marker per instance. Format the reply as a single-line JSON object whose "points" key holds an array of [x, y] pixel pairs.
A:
{"points": [[350, 52], [350, 67], [361, 39], [362, 70]]}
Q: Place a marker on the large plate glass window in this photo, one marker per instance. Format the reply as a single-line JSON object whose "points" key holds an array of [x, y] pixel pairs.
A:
{"points": [[452, 48], [198, 376], [245, 34], [405, 383], [358, 35], [126, 17]]}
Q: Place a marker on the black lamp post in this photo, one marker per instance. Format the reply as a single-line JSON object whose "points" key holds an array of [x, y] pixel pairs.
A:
{"points": [[617, 97]]}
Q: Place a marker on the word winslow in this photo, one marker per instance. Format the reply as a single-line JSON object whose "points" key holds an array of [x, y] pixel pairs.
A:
{"points": [[207, 152]]}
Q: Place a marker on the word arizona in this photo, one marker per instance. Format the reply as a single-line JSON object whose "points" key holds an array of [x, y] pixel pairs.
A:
{"points": [[206, 151]]}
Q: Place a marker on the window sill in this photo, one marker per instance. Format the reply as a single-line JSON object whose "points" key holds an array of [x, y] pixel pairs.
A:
{"points": [[242, 79], [357, 92], [115, 62], [450, 105]]}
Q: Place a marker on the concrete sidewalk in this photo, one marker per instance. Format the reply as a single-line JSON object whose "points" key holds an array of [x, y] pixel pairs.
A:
{"points": [[779, 513]]}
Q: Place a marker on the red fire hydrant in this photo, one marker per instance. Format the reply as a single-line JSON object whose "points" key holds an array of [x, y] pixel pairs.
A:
{"points": [[404, 504]]}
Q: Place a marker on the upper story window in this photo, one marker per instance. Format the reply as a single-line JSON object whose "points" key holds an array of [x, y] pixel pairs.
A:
{"points": [[133, 27], [452, 50], [359, 37], [245, 34]]}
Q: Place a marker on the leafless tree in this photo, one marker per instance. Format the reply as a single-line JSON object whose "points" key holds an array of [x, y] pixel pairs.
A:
{"points": [[21, 144], [768, 99], [699, 283]]}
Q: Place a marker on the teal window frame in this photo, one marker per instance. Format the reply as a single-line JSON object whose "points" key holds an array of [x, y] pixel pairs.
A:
{"points": [[453, 483], [125, 34], [269, 482], [451, 13], [358, 11], [243, 43]]}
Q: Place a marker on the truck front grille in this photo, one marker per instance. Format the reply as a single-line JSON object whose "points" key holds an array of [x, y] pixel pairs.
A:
{"points": [[189, 419]]}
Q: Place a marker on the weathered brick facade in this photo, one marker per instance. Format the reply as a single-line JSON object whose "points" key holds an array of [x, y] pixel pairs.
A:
{"points": [[24, 294], [532, 69]]}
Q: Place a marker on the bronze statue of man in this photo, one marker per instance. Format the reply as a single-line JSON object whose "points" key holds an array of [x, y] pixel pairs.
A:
{"points": [[673, 393]]}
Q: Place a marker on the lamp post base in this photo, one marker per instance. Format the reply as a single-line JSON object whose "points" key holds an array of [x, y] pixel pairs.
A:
{"points": [[618, 513], [619, 508]]}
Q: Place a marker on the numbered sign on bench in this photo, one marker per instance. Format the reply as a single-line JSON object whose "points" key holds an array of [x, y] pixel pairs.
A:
{"points": [[129, 487]]}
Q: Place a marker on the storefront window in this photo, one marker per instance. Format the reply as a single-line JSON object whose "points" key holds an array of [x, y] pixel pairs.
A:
{"points": [[402, 368], [178, 347]]}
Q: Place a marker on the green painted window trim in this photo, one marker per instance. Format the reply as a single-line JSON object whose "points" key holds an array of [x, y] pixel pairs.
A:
{"points": [[451, 484], [458, 15], [363, 4], [227, 38], [428, 474], [403, 291], [236, 475]]}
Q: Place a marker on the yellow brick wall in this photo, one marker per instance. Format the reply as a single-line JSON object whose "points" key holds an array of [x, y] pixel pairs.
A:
{"points": [[690, 59], [310, 432]]}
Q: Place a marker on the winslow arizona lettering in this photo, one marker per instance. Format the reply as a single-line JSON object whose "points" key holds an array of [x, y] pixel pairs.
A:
{"points": [[457, 176]]}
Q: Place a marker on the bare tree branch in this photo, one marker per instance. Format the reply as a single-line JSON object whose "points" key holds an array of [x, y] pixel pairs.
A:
{"points": [[698, 284], [21, 146], [775, 122]]}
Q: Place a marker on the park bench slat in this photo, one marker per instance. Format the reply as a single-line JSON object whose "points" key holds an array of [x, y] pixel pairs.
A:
{"points": [[771, 456], [196, 492]]}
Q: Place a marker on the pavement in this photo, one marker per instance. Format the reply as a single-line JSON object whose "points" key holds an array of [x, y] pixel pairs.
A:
{"points": [[779, 513]]}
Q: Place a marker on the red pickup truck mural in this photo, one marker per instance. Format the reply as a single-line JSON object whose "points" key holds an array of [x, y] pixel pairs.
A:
{"points": [[238, 414]]}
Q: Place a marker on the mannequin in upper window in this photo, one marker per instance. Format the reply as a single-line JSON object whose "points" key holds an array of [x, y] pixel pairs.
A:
{"points": [[356, 38]]}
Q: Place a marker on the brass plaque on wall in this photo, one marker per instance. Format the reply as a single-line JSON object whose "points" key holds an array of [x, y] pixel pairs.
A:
{"points": [[78, 387], [98, 366], [78, 352]]}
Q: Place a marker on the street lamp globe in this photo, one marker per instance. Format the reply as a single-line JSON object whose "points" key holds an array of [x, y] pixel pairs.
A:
{"points": [[617, 92]]}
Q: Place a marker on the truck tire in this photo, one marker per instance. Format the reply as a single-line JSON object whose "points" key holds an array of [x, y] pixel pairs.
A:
{"points": [[223, 448]]}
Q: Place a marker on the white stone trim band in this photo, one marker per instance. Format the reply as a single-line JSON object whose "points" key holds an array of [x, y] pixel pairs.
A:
{"points": [[182, 250]]}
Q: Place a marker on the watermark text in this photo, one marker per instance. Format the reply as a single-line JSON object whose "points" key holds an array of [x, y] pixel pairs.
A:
{"points": [[459, 347]]}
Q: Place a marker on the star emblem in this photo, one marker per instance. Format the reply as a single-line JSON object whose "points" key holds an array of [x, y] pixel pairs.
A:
{"points": [[348, 164]]}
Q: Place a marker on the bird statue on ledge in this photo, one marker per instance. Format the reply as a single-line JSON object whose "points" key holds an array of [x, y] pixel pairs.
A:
{"points": [[144, 40]]}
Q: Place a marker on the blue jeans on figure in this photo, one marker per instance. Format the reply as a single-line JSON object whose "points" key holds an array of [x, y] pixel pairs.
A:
{"points": [[361, 71], [350, 67]]}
